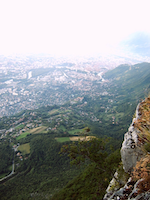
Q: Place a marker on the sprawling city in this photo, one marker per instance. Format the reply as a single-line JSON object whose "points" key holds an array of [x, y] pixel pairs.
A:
{"points": [[29, 82]]}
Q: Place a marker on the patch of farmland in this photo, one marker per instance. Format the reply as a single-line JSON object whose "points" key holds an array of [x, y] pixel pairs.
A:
{"points": [[76, 138], [62, 139], [73, 138], [19, 126], [24, 148], [23, 135], [40, 129], [75, 131], [53, 112]]}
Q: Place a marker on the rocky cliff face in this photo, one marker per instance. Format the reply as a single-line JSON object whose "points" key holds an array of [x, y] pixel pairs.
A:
{"points": [[124, 185], [131, 147]]}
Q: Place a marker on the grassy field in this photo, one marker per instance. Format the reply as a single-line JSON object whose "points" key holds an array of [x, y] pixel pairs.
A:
{"points": [[54, 111], [66, 111], [62, 128], [40, 129], [75, 131], [63, 139], [19, 126], [23, 135], [24, 148], [36, 130], [72, 132], [74, 138]]}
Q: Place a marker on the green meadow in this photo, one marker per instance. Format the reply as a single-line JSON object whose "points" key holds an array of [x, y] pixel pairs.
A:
{"points": [[36, 130], [62, 139], [24, 148], [23, 135]]}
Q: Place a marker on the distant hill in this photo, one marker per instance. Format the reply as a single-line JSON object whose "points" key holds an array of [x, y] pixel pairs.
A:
{"points": [[131, 78]]}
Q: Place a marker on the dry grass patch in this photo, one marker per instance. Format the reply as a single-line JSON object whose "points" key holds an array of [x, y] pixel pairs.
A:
{"points": [[37, 130], [24, 148], [76, 138], [54, 111], [143, 122]]}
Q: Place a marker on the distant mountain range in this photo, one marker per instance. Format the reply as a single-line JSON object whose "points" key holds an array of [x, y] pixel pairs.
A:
{"points": [[133, 80]]}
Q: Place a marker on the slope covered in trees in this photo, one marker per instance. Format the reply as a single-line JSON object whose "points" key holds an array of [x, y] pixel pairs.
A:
{"points": [[108, 112]]}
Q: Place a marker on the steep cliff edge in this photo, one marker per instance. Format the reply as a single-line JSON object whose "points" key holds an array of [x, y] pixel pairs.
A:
{"points": [[133, 181]]}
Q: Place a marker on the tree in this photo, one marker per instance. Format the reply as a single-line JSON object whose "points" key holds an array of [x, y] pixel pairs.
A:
{"points": [[93, 181], [92, 150]]}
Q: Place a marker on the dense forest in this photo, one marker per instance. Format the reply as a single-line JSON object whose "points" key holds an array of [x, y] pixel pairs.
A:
{"points": [[6, 157], [46, 171]]}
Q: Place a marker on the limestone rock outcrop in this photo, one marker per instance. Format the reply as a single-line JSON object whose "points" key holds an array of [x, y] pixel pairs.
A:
{"points": [[131, 147], [131, 153]]}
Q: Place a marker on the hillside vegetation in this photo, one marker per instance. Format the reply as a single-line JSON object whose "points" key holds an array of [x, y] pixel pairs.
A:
{"points": [[38, 136]]}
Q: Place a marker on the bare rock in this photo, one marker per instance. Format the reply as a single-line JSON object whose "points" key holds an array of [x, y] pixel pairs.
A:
{"points": [[131, 148]]}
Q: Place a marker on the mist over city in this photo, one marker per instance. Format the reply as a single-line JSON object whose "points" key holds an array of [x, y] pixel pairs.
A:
{"points": [[45, 44]]}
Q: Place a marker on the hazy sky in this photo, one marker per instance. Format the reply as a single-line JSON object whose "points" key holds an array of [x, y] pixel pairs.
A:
{"points": [[69, 26]]}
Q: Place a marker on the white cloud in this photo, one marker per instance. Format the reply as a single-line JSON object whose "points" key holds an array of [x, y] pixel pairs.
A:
{"points": [[69, 26]]}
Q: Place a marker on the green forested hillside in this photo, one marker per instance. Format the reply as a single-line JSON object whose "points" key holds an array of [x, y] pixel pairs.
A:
{"points": [[91, 183], [131, 77], [44, 171], [6, 157], [41, 172]]}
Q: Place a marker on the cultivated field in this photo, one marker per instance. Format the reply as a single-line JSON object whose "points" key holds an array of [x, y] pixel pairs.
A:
{"points": [[37, 130], [24, 148], [54, 111], [75, 131], [23, 135], [63, 139], [74, 138], [19, 126]]}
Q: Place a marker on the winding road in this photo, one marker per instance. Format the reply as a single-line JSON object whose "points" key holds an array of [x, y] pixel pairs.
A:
{"points": [[12, 172]]}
